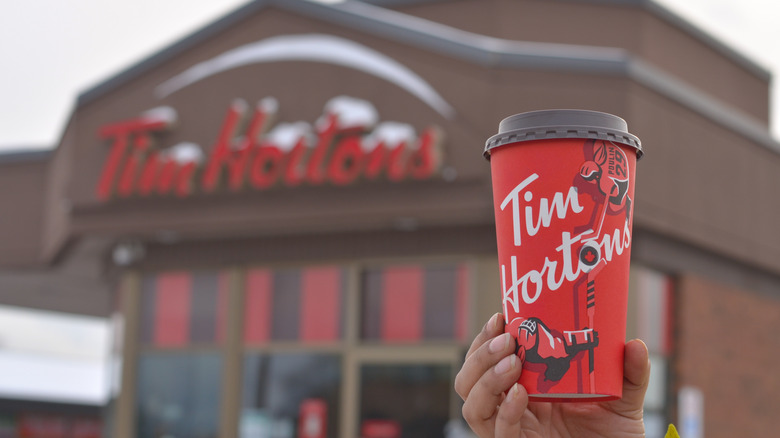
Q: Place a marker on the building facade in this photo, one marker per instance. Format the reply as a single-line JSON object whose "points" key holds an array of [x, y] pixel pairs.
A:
{"points": [[290, 212]]}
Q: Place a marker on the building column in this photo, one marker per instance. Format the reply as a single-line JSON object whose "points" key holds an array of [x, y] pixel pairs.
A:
{"points": [[232, 355], [129, 296]]}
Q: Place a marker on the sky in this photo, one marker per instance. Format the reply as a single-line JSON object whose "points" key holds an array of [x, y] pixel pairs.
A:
{"points": [[52, 50]]}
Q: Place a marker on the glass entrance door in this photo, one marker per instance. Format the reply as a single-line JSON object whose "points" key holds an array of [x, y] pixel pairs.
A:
{"points": [[404, 400]]}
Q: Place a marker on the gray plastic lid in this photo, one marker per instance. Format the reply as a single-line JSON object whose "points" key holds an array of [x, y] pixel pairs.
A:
{"points": [[562, 123]]}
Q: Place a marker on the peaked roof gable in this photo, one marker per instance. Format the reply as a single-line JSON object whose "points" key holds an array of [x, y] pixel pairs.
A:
{"points": [[474, 48]]}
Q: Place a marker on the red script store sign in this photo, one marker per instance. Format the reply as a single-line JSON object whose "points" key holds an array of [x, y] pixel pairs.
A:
{"points": [[346, 143]]}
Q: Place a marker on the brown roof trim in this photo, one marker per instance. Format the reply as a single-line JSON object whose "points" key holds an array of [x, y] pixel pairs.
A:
{"points": [[693, 30], [24, 155], [673, 255], [495, 52], [393, 25], [475, 48], [653, 7], [395, 3], [416, 31], [702, 103], [481, 50], [186, 43]]}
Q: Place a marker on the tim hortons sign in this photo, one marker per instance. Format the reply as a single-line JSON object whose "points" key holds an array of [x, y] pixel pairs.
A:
{"points": [[346, 144]]}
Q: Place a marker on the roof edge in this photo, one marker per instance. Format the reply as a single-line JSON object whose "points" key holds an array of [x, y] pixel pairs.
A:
{"points": [[447, 40], [369, 16], [482, 50], [24, 155], [159, 57], [656, 8], [665, 13], [708, 38], [391, 3], [495, 52], [701, 103]]}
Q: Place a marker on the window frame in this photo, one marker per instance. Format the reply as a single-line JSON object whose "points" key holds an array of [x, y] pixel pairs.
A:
{"points": [[351, 348]]}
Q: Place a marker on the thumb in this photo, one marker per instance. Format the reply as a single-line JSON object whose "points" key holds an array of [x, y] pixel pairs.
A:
{"points": [[636, 376]]}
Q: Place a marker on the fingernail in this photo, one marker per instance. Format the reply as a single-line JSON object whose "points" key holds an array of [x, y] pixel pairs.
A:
{"points": [[492, 324], [506, 364], [514, 391], [499, 343]]}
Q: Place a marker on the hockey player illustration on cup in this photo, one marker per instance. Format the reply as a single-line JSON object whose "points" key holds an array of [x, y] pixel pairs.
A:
{"points": [[605, 169]]}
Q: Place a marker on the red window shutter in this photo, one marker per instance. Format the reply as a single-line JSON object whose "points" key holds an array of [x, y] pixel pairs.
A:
{"points": [[172, 307], [257, 312], [402, 303], [320, 304]]}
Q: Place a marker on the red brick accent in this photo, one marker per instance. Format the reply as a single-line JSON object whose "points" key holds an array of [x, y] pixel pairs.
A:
{"points": [[729, 347]]}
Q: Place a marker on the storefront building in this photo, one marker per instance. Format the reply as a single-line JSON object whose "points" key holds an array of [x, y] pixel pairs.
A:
{"points": [[290, 213]]}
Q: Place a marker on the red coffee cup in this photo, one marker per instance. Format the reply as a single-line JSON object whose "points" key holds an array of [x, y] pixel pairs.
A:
{"points": [[563, 191]]}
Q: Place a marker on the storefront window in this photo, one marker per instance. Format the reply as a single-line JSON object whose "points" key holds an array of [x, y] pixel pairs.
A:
{"points": [[289, 395], [178, 395], [404, 401], [298, 340], [409, 303], [179, 309], [650, 319], [294, 305]]}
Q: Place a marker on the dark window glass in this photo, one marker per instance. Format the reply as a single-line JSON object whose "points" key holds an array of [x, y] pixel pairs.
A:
{"points": [[441, 286], [372, 304], [404, 401], [285, 392], [178, 395], [286, 305], [205, 307], [148, 295]]}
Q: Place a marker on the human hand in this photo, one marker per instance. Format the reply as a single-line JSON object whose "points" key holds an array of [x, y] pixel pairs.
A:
{"points": [[498, 407]]}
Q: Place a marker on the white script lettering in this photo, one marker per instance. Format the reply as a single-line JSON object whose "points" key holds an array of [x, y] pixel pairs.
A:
{"points": [[559, 206], [530, 285]]}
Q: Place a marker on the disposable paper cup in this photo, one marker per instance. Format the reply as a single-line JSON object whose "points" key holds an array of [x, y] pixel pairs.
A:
{"points": [[563, 190]]}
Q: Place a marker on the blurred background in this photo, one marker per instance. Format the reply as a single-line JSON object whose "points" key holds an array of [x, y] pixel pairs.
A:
{"points": [[265, 301]]}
